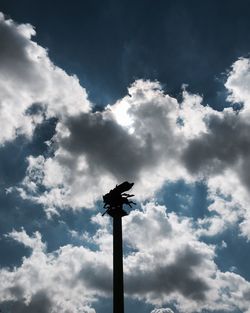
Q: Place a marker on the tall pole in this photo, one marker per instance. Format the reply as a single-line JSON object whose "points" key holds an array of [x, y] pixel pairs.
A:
{"points": [[114, 201], [118, 286]]}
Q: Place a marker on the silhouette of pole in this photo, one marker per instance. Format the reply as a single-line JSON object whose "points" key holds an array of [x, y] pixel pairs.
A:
{"points": [[118, 285], [114, 201]]}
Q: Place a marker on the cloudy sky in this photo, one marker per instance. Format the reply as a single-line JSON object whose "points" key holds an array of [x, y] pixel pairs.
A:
{"points": [[93, 93]]}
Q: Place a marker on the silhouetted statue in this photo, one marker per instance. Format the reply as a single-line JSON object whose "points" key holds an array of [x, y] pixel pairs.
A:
{"points": [[117, 197]]}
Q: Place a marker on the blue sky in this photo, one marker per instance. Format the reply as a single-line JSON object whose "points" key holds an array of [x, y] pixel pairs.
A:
{"points": [[95, 93]]}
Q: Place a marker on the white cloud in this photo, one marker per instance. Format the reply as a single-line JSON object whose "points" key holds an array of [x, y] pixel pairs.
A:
{"points": [[147, 136], [221, 157], [167, 265], [35, 242], [28, 77], [162, 310], [238, 83], [193, 115], [64, 277], [94, 152], [150, 138], [141, 137]]}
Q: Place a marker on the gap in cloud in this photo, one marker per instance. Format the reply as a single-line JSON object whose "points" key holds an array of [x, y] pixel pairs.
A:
{"points": [[233, 254], [13, 253], [185, 199], [17, 213], [43, 133], [13, 163], [73, 227]]}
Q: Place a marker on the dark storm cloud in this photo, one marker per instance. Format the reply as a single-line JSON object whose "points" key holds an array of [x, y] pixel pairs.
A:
{"points": [[17, 63], [179, 276], [107, 145], [97, 277], [13, 48], [17, 292], [40, 303], [226, 145]]}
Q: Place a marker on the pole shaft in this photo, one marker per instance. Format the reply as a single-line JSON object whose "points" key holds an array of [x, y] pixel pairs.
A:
{"points": [[118, 288]]}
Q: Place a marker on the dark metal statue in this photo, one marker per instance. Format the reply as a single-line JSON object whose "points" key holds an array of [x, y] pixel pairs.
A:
{"points": [[117, 197]]}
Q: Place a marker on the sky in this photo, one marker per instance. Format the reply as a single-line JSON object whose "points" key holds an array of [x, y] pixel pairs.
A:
{"points": [[94, 93]]}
